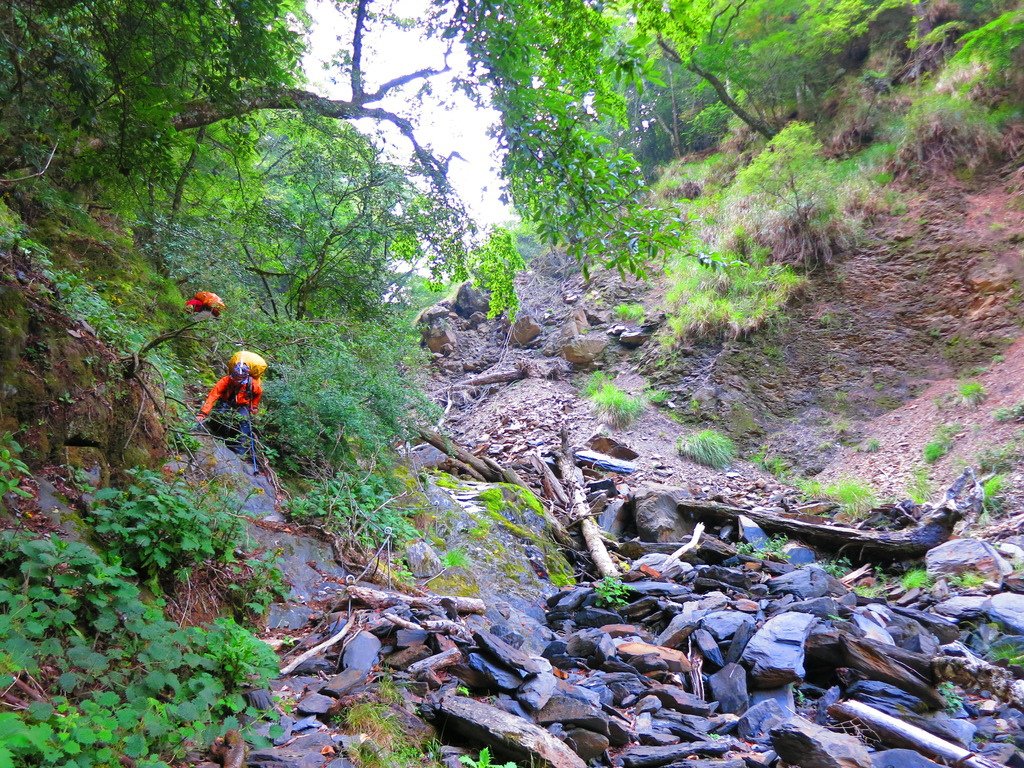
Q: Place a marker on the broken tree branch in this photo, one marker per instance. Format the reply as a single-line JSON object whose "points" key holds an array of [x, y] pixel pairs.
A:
{"points": [[379, 599], [572, 478], [894, 732], [974, 674], [332, 640]]}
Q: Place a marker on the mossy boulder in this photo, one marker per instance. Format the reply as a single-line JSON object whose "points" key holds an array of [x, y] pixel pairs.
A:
{"points": [[513, 562]]}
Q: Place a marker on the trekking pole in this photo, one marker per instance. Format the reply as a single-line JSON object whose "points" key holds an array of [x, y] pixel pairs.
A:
{"points": [[252, 445]]}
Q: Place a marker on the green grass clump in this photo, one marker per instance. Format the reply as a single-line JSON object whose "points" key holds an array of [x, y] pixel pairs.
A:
{"points": [[870, 446], [708, 447], [967, 580], [728, 300], [617, 407], [941, 444], [972, 393], [633, 313], [994, 489], [999, 458], [919, 488], [595, 382], [915, 578], [854, 496], [1012, 413]]}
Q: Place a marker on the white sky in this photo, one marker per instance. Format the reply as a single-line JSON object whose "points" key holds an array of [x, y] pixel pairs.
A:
{"points": [[446, 121]]}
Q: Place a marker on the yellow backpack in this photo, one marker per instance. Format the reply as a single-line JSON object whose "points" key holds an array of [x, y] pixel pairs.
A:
{"points": [[257, 365]]}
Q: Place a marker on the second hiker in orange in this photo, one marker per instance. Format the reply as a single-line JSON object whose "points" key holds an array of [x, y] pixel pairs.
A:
{"points": [[237, 394]]}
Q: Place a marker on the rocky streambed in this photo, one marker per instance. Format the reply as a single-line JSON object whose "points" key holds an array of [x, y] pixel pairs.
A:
{"points": [[743, 661]]}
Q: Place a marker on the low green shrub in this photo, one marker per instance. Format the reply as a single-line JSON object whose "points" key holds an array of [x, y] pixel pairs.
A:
{"points": [[1010, 413], [774, 547], [919, 487], [726, 299], [612, 593], [595, 382], [633, 313], [870, 446], [915, 578], [854, 496], [999, 458], [119, 679], [972, 393], [707, 447], [942, 132], [941, 444], [617, 407], [995, 488], [12, 469]]}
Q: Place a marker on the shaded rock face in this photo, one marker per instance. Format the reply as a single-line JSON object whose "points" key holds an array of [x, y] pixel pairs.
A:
{"points": [[801, 742], [524, 330], [514, 563], [583, 351], [775, 654], [470, 300], [439, 336], [423, 560], [967, 555], [656, 516]]}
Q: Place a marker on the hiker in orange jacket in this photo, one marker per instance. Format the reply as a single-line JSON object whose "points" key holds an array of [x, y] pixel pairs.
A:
{"points": [[237, 393], [204, 301]]}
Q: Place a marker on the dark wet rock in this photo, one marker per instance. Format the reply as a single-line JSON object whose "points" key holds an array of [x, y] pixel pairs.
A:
{"points": [[536, 691], [592, 616], [282, 616], [304, 752], [674, 697], [782, 696], [728, 686], [423, 560], [1007, 609], [314, 666], [652, 757], [344, 683], [470, 299], [805, 584], [585, 743], [801, 742], [962, 555], [509, 655], [723, 624], [901, 758], [361, 653], [761, 718], [656, 516], [634, 339], [775, 654], [963, 607], [496, 675], [708, 648], [314, 704], [480, 722], [821, 607], [593, 645], [661, 589]]}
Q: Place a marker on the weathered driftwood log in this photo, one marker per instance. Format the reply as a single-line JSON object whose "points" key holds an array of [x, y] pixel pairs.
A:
{"points": [[495, 377], [935, 526], [894, 732], [710, 549], [379, 600], [974, 674], [435, 663], [890, 664], [332, 640], [572, 479]]}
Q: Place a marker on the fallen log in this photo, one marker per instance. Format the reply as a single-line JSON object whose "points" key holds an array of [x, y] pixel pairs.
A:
{"points": [[890, 664], [572, 478], [935, 526], [709, 549], [435, 663], [894, 732], [497, 377], [334, 639], [378, 599]]}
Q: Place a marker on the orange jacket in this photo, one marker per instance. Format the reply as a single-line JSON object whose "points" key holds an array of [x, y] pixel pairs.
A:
{"points": [[227, 391]]}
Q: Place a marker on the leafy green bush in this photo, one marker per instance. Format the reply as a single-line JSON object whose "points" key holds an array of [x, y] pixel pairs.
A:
{"points": [[616, 407], [972, 393], [119, 678], [854, 496], [732, 300], [496, 265], [633, 313], [707, 447], [359, 508], [12, 469], [483, 761], [612, 593], [943, 132], [788, 200]]}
